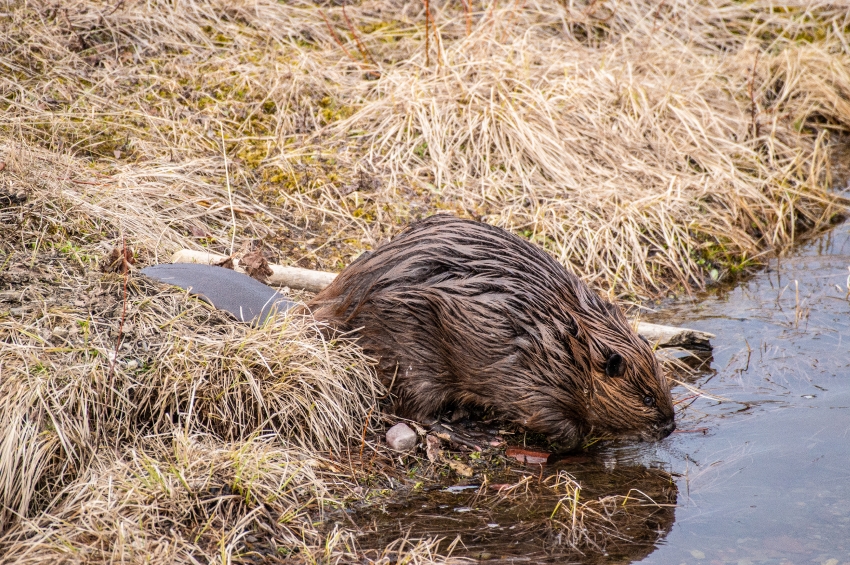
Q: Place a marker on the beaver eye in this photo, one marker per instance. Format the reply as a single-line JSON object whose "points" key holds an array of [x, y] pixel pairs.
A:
{"points": [[648, 401]]}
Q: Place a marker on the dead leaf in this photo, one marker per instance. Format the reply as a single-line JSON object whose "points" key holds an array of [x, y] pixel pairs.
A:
{"points": [[433, 448], [118, 260], [2, 165], [256, 266], [462, 469], [227, 263]]}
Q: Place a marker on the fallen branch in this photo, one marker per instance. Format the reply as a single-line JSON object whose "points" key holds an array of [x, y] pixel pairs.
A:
{"points": [[293, 277], [668, 336], [314, 281]]}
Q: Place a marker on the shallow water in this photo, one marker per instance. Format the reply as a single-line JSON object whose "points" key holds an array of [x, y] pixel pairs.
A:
{"points": [[762, 476], [770, 482]]}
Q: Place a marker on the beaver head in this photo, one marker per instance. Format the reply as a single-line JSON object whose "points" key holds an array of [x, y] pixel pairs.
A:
{"points": [[457, 312], [610, 381]]}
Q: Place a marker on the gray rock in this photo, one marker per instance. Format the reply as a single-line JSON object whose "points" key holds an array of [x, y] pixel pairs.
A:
{"points": [[401, 438]]}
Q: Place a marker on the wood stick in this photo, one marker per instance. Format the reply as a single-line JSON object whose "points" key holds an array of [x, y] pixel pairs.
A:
{"points": [[668, 336], [314, 281], [293, 277]]}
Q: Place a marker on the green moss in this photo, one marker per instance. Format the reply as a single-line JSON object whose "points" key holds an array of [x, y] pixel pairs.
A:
{"points": [[331, 111], [421, 150], [252, 153]]}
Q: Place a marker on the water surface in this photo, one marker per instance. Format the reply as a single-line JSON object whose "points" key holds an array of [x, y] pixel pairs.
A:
{"points": [[770, 481]]}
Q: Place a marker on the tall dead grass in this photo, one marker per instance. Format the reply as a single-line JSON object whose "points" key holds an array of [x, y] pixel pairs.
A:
{"points": [[88, 368], [180, 499], [639, 143], [644, 144]]}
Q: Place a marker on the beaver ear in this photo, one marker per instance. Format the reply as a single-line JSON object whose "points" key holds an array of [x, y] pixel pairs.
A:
{"points": [[615, 366]]}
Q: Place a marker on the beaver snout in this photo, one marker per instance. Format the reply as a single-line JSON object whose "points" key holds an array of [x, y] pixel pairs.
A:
{"points": [[662, 430]]}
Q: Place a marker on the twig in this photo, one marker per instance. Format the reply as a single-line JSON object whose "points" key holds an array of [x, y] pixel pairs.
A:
{"points": [[336, 37], [363, 436], [753, 109], [117, 7], [229, 191], [125, 269], [467, 8], [437, 39], [362, 48], [427, 34]]}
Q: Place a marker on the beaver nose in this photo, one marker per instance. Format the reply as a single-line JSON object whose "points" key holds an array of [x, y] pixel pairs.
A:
{"points": [[667, 429]]}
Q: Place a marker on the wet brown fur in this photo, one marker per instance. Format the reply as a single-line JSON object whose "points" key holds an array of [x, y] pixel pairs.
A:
{"points": [[458, 312]]}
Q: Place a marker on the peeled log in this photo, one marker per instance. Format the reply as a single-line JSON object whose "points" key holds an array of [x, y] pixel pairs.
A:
{"points": [[293, 277], [667, 336], [314, 281]]}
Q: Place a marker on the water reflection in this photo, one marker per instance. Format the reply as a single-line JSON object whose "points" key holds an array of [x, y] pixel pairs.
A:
{"points": [[769, 481], [621, 512]]}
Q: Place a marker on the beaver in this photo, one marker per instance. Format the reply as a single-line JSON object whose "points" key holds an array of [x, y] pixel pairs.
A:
{"points": [[459, 313]]}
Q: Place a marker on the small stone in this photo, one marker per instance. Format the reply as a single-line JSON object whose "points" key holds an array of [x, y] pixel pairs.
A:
{"points": [[401, 438], [697, 554], [132, 365]]}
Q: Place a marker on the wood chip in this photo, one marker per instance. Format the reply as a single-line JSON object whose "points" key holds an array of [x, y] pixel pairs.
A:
{"points": [[528, 456]]}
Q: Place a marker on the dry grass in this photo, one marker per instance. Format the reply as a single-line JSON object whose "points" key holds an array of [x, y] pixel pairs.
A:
{"points": [[589, 524], [644, 144], [189, 500]]}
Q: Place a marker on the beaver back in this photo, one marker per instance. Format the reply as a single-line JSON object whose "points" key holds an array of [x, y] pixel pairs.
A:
{"points": [[457, 312]]}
